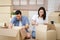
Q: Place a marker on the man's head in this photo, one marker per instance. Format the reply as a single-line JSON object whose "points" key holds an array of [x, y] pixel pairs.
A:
{"points": [[18, 14]]}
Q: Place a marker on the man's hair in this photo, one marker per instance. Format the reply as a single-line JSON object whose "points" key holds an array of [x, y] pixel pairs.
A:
{"points": [[18, 12]]}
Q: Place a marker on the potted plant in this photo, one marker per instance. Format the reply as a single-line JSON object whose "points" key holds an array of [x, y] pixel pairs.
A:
{"points": [[13, 14]]}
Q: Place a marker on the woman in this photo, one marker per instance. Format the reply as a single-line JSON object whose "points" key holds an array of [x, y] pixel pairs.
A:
{"points": [[39, 19]]}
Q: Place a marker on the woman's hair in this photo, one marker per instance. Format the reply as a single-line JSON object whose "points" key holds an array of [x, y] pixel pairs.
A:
{"points": [[44, 11]]}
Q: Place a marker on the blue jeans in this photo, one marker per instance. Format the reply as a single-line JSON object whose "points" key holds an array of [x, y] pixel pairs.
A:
{"points": [[33, 32]]}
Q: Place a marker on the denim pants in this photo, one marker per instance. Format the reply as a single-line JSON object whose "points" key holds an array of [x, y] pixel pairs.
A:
{"points": [[33, 32]]}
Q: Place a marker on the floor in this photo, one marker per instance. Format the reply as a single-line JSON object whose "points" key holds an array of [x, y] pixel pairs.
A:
{"points": [[30, 39]]}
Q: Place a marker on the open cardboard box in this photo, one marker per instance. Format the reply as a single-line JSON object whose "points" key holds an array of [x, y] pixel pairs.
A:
{"points": [[57, 30], [45, 32], [12, 34], [9, 34], [51, 27]]}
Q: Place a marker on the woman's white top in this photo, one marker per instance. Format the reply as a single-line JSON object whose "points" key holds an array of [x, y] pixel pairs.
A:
{"points": [[39, 20]]}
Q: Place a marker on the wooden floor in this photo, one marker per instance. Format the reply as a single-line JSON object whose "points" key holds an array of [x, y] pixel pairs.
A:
{"points": [[30, 39]]}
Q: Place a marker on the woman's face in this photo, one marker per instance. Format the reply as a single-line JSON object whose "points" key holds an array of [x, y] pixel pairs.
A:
{"points": [[41, 12]]}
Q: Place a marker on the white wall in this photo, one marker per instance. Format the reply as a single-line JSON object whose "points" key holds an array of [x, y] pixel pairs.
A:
{"points": [[57, 5], [53, 5], [31, 13]]}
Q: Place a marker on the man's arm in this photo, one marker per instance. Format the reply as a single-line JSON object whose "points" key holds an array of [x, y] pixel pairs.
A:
{"points": [[11, 23], [27, 23]]}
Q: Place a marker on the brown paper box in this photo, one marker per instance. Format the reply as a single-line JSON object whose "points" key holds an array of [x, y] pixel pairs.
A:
{"points": [[51, 35], [58, 30], [43, 32], [12, 34], [51, 27], [9, 34], [23, 34]]}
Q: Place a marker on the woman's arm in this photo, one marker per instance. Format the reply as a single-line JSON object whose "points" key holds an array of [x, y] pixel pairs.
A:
{"points": [[34, 22]]}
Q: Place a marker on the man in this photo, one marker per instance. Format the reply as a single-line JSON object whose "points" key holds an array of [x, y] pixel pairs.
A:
{"points": [[20, 20]]}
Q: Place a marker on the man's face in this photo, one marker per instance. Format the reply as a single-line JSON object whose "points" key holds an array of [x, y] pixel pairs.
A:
{"points": [[18, 16]]}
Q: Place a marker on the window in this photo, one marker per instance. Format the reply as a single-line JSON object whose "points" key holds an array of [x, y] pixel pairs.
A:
{"points": [[32, 2], [40, 2], [15, 2], [23, 2], [28, 4]]}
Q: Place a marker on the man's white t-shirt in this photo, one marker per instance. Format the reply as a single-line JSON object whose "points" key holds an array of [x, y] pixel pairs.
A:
{"points": [[39, 20], [20, 23]]}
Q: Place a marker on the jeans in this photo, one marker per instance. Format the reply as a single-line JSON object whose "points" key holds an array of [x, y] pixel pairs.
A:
{"points": [[33, 32]]}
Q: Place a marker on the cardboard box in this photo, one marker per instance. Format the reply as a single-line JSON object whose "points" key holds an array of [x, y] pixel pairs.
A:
{"points": [[11, 34], [51, 35], [57, 25], [51, 27], [43, 32]]}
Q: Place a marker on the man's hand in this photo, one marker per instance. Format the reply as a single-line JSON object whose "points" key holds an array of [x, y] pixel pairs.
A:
{"points": [[26, 26], [10, 26]]}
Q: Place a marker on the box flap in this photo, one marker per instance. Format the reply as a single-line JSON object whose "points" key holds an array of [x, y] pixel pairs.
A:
{"points": [[8, 32]]}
